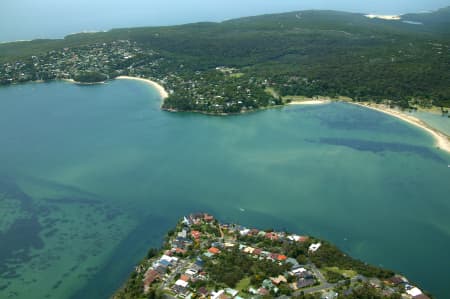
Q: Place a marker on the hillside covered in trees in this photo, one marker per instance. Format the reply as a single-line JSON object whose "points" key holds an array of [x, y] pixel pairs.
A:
{"points": [[229, 66]]}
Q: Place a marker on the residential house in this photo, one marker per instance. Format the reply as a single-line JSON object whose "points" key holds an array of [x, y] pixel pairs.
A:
{"points": [[161, 270], [278, 280], [208, 218], [216, 295], [305, 282], [196, 234], [150, 277], [281, 258], [329, 295], [314, 247], [413, 291], [253, 291], [214, 250], [203, 292], [271, 236], [231, 292]]}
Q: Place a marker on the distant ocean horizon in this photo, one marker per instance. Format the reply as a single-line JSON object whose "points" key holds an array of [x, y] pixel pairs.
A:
{"points": [[27, 20]]}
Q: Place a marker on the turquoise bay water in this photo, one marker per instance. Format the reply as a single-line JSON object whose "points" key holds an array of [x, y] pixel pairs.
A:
{"points": [[436, 120], [91, 177]]}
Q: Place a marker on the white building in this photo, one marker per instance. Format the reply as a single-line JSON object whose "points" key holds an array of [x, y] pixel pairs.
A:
{"points": [[215, 295], [244, 232], [314, 247], [297, 271], [414, 292], [181, 283]]}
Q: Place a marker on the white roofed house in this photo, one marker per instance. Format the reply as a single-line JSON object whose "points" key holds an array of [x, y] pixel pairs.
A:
{"points": [[293, 238], [181, 283], [329, 295], [314, 247], [231, 292], [244, 232], [215, 295], [297, 271], [180, 287], [415, 292]]}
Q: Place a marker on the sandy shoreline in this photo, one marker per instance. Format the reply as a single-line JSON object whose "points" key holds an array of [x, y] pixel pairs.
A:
{"points": [[310, 102], [162, 92], [82, 83], [442, 140]]}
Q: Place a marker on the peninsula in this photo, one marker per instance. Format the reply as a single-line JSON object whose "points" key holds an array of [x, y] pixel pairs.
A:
{"points": [[203, 258], [253, 63]]}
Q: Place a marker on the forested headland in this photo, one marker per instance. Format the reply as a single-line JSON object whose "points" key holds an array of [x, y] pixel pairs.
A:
{"points": [[229, 67]]}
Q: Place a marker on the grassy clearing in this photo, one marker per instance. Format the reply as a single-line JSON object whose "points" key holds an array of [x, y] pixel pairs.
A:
{"points": [[244, 284], [272, 92], [237, 75], [297, 98], [346, 273]]}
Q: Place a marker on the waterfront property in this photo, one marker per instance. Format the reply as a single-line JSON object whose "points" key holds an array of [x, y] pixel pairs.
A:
{"points": [[231, 261], [95, 178]]}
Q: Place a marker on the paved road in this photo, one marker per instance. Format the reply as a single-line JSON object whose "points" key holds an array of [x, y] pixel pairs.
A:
{"points": [[318, 274], [176, 271], [221, 232]]}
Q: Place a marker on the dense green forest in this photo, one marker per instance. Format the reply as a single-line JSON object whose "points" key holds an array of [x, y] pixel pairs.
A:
{"points": [[331, 256], [90, 77], [307, 53]]}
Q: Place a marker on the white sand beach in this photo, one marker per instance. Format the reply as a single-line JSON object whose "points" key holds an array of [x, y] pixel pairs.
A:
{"points": [[442, 140], [310, 102], [163, 93]]}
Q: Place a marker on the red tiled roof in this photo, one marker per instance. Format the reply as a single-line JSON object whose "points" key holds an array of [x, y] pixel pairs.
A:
{"points": [[150, 277], [196, 234], [272, 236], [282, 257], [214, 250], [180, 250], [257, 251], [303, 239], [208, 218]]}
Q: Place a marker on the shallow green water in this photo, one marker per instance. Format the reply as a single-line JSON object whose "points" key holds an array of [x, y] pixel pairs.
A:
{"points": [[91, 177], [436, 120]]}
